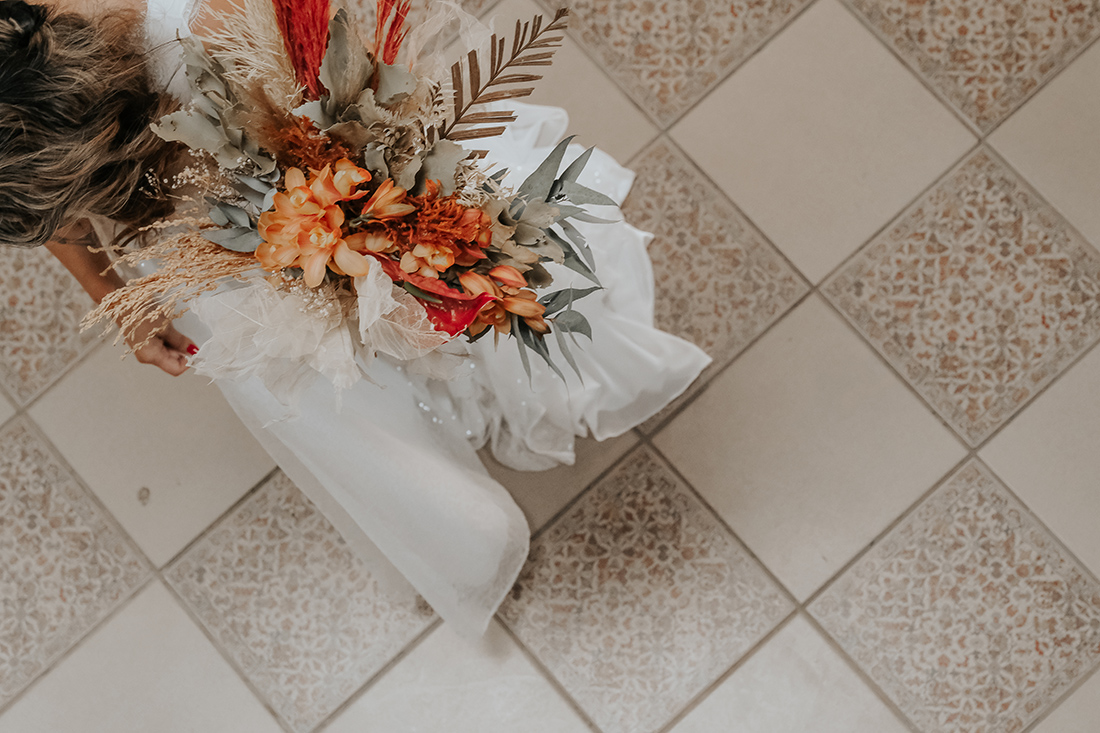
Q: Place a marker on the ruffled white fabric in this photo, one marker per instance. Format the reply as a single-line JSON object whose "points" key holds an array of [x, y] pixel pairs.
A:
{"points": [[391, 459]]}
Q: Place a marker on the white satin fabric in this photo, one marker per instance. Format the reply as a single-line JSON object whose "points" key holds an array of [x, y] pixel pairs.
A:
{"points": [[391, 460]]}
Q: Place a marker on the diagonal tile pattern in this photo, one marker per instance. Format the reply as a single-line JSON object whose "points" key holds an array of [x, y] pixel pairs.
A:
{"points": [[969, 614], [979, 295], [63, 564], [636, 599], [719, 282], [984, 57], [668, 55], [303, 618], [40, 314]]}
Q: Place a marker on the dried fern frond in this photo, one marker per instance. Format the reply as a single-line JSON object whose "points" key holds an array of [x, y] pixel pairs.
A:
{"points": [[252, 49], [189, 265], [532, 45]]}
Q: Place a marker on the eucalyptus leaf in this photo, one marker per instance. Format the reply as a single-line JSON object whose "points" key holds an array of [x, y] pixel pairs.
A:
{"points": [[576, 212], [578, 239], [440, 164], [351, 132], [563, 346], [407, 176], [524, 359], [538, 184], [578, 194], [235, 214], [573, 322], [346, 68], [564, 298], [395, 84], [316, 113], [570, 174], [237, 239], [577, 265], [419, 294]]}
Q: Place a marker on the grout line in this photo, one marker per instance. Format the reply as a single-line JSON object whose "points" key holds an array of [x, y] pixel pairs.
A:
{"points": [[548, 675], [1065, 64], [220, 519], [123, 602], [888, 44], [723, 78], [709, 689], [863, 676], [224, 653], [1069, 692], [408, 649], [905, 514]]}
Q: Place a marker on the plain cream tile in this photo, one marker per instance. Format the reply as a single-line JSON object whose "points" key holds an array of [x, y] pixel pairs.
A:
{"points": [[795, 683], [600, 113], [126, 427], [808, 446], [1052, 142], [451, 684], [1048, 456], [1077, 714], [542, 494], [822, 138], [147, 669]]}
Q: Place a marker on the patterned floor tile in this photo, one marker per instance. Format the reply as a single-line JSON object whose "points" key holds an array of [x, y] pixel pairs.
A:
{"points": [[40, 312], [719, 282], [985, 57], [979, 295], [668, 55], [968, 614], [306, 621], [636, 599], [63, 563]]}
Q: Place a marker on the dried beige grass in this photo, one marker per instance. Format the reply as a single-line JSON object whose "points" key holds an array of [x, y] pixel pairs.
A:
{"points": [[252, 50], [188, 266]]}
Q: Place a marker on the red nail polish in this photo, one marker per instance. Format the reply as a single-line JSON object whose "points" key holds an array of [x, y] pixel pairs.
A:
{"points": [[192, 349]]}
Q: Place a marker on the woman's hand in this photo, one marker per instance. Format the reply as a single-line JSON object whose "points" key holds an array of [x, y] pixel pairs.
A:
{"points": [[167, 349]]}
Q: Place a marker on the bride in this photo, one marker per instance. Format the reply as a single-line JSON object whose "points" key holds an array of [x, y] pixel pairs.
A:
{"points": [[390, 461]]}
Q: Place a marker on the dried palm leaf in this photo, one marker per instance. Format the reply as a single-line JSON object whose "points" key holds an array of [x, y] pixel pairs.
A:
{"points": [[532, 45]]}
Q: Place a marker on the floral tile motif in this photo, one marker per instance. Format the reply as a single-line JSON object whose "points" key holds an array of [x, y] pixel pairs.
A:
{"points": [[637, 598], [969, 614], [979, 295], [306, 621], [40, 310], [719, 282], [668, 55], [985, 57], [63, 564]]}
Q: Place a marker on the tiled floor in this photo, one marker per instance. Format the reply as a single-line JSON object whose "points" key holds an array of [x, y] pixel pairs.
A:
{"points": [[875, 513]]}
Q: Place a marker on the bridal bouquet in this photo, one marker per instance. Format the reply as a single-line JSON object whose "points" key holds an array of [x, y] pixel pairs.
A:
{"points": [[330, 189]]}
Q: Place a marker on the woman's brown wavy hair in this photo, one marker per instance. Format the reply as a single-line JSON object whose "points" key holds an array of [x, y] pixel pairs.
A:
{"points": [[76, 101]]}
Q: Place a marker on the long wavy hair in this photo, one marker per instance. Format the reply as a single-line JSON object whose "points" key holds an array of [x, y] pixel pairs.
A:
{"points": [[76, 101]]}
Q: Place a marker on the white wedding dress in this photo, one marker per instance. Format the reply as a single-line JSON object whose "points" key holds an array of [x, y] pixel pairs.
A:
{"points": [[392, 462]]}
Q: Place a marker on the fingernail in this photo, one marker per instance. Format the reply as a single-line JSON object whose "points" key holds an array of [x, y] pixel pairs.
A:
{"points": [[192, 349]]}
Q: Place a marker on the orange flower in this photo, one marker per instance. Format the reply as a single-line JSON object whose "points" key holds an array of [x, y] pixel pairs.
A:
{"points": [[305, 228], [506, 284], [446, 233]]}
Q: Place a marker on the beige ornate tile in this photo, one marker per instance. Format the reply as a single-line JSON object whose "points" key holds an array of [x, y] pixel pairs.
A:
{"points": [[306, 621], [40, 310], [968, 614], [719, 282], [984, 57], [636, 599], [979, 295], [669, 55], [63, 563]]}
